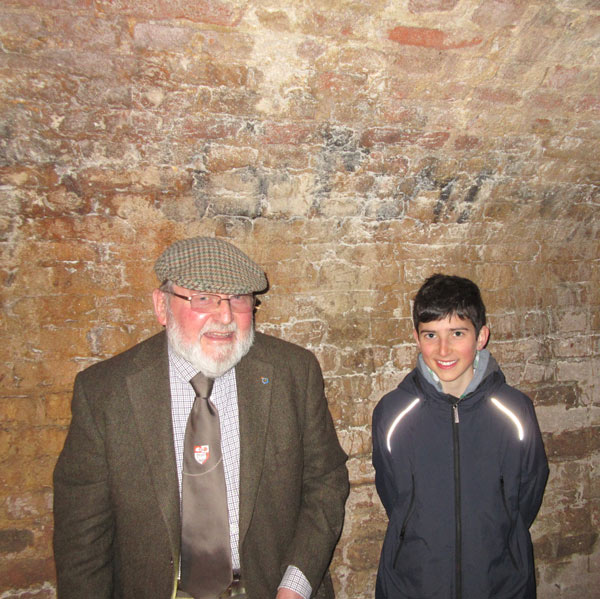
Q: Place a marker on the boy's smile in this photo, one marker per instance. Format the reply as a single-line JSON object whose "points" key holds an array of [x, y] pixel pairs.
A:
{"points": [[448, 347]]}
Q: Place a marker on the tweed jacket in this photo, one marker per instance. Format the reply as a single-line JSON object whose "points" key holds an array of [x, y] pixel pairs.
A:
{"points": [[116, 498]]}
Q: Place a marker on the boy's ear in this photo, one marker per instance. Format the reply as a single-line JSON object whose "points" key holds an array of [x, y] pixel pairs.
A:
{"points": [[483, 337], [416, 336]]}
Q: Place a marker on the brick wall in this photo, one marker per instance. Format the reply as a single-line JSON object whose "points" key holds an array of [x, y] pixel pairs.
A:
{"points": [[352, 148]]}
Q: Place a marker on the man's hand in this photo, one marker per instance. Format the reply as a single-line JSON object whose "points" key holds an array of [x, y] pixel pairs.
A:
{"points": [[284, 593]]}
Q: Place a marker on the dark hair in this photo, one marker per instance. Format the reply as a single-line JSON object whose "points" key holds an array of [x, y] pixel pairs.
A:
{"points": [[447, 295]]}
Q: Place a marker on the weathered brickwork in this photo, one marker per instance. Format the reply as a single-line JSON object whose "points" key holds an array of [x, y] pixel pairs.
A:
{"points": [[352, 148]]}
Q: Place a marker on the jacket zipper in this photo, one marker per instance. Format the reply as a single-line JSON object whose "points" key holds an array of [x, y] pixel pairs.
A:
{"points": [[457, 500]]}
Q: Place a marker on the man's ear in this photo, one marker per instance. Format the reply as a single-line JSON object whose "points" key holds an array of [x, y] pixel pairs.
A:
{"points": [[160, 306], [482, 338]]}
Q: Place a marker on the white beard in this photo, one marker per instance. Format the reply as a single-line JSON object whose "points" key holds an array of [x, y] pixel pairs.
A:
{"points": [[192, 352]]}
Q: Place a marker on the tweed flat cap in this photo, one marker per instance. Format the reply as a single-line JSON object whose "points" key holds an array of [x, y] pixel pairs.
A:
{"points": [[210, 264]]}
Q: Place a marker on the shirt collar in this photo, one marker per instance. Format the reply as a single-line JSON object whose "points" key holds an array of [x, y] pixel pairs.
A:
{"points": [[181, 367]]}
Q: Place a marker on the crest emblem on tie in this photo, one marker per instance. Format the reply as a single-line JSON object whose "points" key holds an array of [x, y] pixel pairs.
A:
{"points": [[201, 453]]}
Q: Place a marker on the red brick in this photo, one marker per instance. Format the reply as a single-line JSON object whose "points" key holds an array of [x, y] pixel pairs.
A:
{"points": [[27, 507], [201, 72], [310, 49], [67, 29], [49, 4], [21, 410], [52, 370], [547, 101], [28, 475], [429, 38], [31, 444], [339, 22], [226, 100], [572, 445], [386, 136], [21, 32], [589, 103], [57, 407], [466, 142], [157, 37], [94, 63], [281, 133], [498, 96], [25, 573], [44, 592], [417, 36], [434, 140], [503, 13], [421, 6], [563, 77], [202, 11], [15, 540], [338, 84], [565, 395], [198, 127], [278, 20], [581, 544]]}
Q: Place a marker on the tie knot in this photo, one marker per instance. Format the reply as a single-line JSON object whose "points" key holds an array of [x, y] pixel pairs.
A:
{"points": [[202, 385]]}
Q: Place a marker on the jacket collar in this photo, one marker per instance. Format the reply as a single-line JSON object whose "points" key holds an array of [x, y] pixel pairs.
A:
{"points": [[485, 366]]}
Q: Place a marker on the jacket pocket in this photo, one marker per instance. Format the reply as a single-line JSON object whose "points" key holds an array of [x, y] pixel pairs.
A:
{"points": [[511, 527], [409, 511]]}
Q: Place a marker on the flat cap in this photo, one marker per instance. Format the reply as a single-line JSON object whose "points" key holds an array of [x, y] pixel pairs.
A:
{"points": [[210, 264]]}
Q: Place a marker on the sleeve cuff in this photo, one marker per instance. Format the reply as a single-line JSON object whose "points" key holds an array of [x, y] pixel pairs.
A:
{"points": [[294, 580]]}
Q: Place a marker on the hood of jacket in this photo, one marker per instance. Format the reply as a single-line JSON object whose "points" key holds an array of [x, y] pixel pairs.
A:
{"points": [[487, 376]]}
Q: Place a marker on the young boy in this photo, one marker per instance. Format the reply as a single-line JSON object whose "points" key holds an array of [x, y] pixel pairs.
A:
{"points": [[459, 459]]}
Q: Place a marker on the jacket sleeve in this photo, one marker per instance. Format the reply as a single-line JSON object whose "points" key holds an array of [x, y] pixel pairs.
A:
{"points": [[83, 520], [384, 478], [324, 485], [535, 469]]}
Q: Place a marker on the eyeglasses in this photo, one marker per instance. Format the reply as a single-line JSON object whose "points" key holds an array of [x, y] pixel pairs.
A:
{"points": [[205, 303]]}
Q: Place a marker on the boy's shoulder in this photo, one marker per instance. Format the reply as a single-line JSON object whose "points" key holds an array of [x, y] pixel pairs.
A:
{"points": [[513, 398], [510, 397], [398, 398]]}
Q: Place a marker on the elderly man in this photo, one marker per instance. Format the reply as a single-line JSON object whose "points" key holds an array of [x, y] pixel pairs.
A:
{"points": [[202, 462]]}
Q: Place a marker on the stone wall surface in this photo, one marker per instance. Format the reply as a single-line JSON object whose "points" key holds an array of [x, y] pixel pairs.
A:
{"points": [[352, 148]]}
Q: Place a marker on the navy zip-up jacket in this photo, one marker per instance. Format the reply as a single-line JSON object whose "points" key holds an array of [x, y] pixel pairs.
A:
{"points": [[462, 481]]}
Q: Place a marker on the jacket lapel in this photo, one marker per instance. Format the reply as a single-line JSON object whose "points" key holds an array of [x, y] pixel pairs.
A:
{"points": [[254, 380], [150, 395]]}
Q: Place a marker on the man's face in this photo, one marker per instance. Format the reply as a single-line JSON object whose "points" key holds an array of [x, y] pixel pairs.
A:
{"points": [[448, 347], [213, 342]]}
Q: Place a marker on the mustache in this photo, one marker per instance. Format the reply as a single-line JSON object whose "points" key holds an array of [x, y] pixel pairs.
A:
{"points": [[219, 328]]}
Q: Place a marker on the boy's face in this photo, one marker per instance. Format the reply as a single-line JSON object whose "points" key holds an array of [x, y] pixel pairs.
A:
{"points": [[449, 346]]}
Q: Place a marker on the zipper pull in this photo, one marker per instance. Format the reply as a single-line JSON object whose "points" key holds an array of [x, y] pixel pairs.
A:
{"points": [[455, 412]]}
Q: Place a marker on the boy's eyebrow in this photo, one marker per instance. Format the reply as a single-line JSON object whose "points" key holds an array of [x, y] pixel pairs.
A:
{"points": [[421, 330]]}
